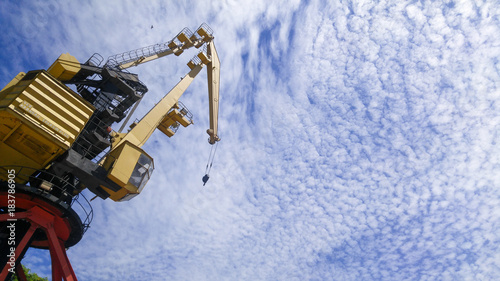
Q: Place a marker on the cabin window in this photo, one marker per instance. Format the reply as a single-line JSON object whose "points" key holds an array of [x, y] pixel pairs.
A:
{"points": [[142, 172]]}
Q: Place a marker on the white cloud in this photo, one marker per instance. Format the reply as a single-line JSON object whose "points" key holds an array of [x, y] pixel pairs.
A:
{"points": [[364, 148]]}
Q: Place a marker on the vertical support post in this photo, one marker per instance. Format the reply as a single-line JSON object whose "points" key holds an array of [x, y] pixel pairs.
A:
{"points": [[58, 253], [56, 269], [20, 273]]}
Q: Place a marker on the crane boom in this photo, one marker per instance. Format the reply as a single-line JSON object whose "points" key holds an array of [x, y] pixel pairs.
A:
{"points": [[126, 147], [181, 42], [213, 76], [72, 131], [141, 131]]}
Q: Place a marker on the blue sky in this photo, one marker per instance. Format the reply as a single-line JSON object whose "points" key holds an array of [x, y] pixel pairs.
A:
{"points": [[360, 139]]}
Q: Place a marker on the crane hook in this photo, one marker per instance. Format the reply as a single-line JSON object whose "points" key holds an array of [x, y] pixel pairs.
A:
{"points": [[205, 179]]}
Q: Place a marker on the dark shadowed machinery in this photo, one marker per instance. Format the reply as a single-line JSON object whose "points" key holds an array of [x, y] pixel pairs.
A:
{"points": [[56, 140]]}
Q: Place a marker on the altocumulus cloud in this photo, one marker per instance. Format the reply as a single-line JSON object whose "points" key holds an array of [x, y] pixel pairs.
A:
{"points": [[360, 140]]}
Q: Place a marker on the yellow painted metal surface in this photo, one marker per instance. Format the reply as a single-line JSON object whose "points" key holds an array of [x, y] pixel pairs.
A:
{"points": [[139, 134], [171, 118], [14, 81], [65, 67], [120, 164], [213, 75], [39, 120]]}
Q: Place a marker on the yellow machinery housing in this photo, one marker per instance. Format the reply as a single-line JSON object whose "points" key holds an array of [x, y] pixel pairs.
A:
{"points": [[65, 67], [121, 170]]}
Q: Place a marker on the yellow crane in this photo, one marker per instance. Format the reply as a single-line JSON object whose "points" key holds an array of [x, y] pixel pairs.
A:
{"points": [[45, 126]]}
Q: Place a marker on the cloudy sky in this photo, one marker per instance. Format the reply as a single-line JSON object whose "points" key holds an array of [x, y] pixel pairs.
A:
{"points": [[360, 139]]}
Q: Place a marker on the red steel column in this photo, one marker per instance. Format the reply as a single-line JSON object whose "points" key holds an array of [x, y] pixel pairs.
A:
{"points": [[39, 218], [21, 246]]}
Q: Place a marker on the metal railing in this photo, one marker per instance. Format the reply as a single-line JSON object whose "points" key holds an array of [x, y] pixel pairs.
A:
{"points": [[95, 60], [86, 147], [207, 28], [185, 111], [117, 60], [54, 189], [129, 56]]}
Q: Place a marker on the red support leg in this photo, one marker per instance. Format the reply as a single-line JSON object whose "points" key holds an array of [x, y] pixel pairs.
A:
{"points": [[19, 249], [57, 248], [56, 268], [39, 218]]}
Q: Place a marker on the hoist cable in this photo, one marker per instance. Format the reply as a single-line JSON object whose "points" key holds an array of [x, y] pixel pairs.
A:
{"points": [[211, 158]]}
